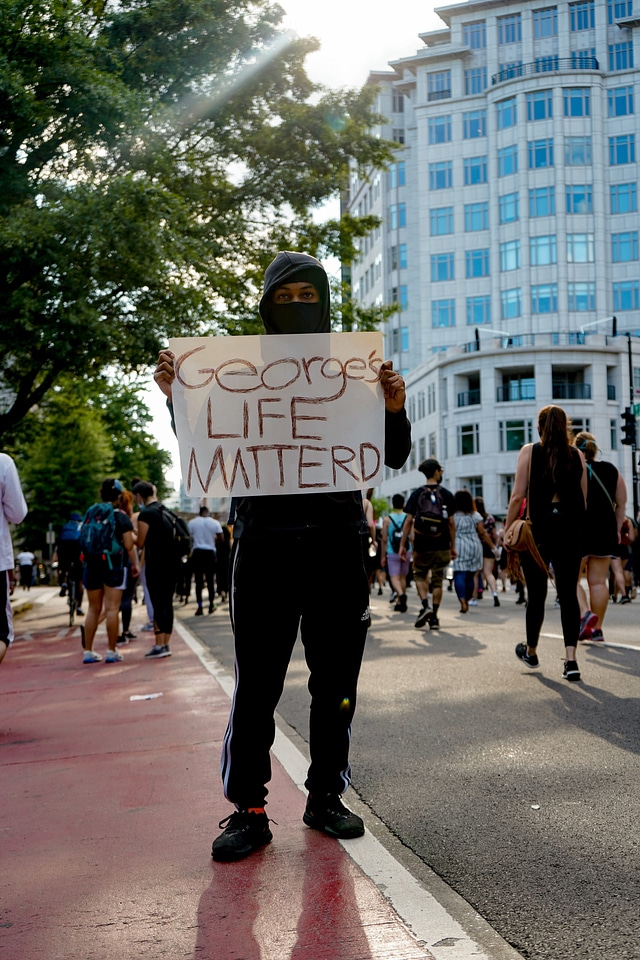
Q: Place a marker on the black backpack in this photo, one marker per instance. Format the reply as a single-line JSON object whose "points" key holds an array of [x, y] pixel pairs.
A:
{"points": [[431, 514], [396, 534], [177, 533]]}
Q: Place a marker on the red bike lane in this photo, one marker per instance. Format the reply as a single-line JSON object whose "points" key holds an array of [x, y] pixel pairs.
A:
{"points": [[110, 803]]}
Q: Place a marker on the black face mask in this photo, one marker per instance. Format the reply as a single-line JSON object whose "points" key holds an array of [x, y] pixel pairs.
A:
{"points": [[295, 318]]}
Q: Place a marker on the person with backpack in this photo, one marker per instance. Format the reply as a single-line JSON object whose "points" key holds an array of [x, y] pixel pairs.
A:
{"points": [[106, 538], [165, 539], [68, 556], [429, 512], [397, 569]]}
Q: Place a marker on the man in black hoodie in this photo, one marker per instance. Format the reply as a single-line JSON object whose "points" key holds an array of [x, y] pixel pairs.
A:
{"points": [[299, 536]]}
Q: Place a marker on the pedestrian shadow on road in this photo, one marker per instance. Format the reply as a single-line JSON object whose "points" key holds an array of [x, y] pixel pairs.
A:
{"points": [[596, 711], [457, 645], [295, 898]]}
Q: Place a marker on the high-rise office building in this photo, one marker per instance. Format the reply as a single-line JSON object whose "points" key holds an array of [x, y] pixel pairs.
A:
{"points": [[509, 234]]}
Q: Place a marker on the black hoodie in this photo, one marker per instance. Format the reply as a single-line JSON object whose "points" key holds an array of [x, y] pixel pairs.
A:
{"points": [[295, 514], [289, 267]]}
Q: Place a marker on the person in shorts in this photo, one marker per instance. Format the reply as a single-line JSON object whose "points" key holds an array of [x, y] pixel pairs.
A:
{"points": [[397, 569], [104, 581], [431, 555]]}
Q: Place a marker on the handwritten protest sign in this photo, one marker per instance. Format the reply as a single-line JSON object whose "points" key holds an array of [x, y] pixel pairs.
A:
{"points": [[279, 414]]}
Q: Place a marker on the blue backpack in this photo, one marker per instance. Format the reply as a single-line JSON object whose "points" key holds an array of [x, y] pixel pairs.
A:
{"points": [[98, 536], [70, 531]]}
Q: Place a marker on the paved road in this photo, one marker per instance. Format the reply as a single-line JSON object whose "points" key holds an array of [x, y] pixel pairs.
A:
{"points": [[516, 787]]}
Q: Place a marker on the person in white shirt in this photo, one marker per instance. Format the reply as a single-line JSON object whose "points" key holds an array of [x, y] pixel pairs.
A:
{"points": [[26, 561], [206, 533], [13, 509]]}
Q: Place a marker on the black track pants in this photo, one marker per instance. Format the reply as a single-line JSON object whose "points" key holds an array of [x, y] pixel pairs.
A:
{"points": [[277, 587]]}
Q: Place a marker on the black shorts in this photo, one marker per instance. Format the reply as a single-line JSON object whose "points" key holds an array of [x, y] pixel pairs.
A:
{"points": [[99, 574]]}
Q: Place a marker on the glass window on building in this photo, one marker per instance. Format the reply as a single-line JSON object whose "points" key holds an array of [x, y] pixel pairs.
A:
{"points": [[544, 298], [542, 202], [620, 101], [473, 485], [468, 439], [622, 149], [398, 103], [624, 247], [582, 296], [621, 55], [584, 59], [577, 101], [509, 207], [440, 175], [624, 198], [613, 434], [476, 263], [507, 113], [431, 398], [618, 9], [475, 170], [432, 445], [540, 105], [441, 221], [509, 255], [540, 153], [474, 124], [545, 23], [475, 80], [403, 256], [443, 313], [514, 434], [404, 339], [442, 267], [439, 85], [580, 248], [397, 174], [478, 311], [577, 151], [509, 29], [582, 15], [397, 215], [579, 198], [507, 160], [474, 34], [476, 216], [626, 295], [440, 129], [548, 64], [511, 303]]}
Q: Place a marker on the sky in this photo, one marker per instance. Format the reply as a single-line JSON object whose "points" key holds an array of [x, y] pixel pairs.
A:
{"points": [[356, 37]]}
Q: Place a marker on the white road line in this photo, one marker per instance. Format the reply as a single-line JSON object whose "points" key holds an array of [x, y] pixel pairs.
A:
{"points": [[429, 921], [596, 643]]}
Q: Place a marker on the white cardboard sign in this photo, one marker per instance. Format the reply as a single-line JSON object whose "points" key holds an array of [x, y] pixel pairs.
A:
{"points": [[279, 414]]}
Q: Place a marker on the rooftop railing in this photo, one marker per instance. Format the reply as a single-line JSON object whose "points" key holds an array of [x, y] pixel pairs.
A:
{"points": [[544, 65]]}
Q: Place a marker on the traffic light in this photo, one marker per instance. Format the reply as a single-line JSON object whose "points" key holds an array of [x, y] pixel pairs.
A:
{"points": [[628, 427]]}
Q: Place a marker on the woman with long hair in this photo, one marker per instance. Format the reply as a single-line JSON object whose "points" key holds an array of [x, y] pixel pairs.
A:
{"points": [[606, 504], [470, 536], [552, 475]]}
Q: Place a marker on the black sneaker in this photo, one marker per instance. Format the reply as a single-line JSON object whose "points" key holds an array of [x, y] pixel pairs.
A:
{"points": [[434, 623], [401, 604], [423, 617], [328, 813], [199, 612], [244, 833], [571, 671], [531, 660], [496, 601]]}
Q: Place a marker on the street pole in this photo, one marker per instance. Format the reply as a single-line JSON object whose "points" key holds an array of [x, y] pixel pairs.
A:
{"points": [[634, 464]]}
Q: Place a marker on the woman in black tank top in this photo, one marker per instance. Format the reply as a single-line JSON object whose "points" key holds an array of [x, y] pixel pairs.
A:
{"points": [[552, 474]]}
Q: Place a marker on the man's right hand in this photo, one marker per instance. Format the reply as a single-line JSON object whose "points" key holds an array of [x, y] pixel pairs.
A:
{"points": [[165, 372]]}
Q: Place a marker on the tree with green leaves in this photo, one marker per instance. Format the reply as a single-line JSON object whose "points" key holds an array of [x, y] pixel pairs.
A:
{"points": [[154, 155], [81, 433]]}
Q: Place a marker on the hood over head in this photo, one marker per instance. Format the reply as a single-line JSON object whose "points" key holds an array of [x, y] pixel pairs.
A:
{"points": [[286, 318]]}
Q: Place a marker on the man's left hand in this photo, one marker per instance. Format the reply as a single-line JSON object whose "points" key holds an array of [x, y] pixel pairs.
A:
{"points": [[393, 387]]}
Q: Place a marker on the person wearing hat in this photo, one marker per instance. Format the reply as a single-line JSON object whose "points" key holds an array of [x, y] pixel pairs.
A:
{"points": [[429, 516], [296, 535], [105, 573]]}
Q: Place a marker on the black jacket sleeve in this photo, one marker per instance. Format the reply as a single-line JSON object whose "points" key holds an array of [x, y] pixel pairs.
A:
{"points": [[397, 439]]}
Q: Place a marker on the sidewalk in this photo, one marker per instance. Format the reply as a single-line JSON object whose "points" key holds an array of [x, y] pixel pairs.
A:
{"points": [[109, 808]]}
